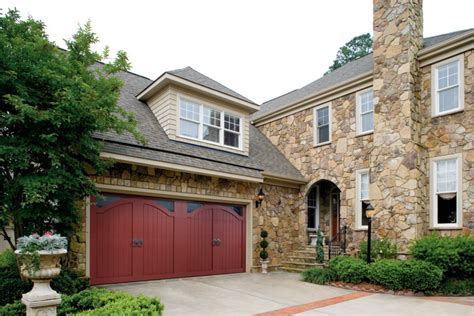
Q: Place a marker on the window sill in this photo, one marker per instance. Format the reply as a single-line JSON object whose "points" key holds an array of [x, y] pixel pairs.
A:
{"points": [[361, 229], [446, 227], [365, 134], [322, 144], [447, 113]]}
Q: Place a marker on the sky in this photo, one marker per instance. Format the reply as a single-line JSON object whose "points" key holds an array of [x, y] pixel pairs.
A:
{"points": [[259, 48]]}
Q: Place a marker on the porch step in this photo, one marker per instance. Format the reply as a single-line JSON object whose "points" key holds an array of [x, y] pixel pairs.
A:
{"points": [[295, 270], [301, 265]]}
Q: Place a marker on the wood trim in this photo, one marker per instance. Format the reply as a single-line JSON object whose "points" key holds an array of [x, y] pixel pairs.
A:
{"points": [[167, 78], [176, 167], [360, 82], [446, 49]]}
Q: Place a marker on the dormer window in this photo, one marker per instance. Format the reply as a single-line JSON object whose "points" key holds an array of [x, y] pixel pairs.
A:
{"points": [[208, 124]]}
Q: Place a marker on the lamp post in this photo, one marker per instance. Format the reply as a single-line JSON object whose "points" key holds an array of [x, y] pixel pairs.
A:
{"points": [[369, 213]]}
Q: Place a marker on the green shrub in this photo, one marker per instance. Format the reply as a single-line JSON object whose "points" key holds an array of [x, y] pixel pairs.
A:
{"points": [[11, 285], [421, 275], [97, 301], [379, 249], [387, 272], [454, 255], [14, 309], [349, 269], [69, 282], [263, 243], [319, 275], [457, 287]]}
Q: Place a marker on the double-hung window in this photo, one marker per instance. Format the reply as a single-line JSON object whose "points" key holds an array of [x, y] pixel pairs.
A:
{"points": [[446, 195], [208, 124], [365, 112], [448, 85], [322, 124], [362, 197]]}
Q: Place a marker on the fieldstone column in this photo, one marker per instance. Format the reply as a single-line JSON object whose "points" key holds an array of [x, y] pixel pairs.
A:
{"points": [[396, 172]]}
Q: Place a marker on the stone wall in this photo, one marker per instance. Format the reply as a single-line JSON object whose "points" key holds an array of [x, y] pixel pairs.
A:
{"points": [[451, 134], [336, 162], [396, 172], [281, 214]]}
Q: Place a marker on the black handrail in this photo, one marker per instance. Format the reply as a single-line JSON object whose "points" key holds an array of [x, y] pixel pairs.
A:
{"points": [[340, 239]]}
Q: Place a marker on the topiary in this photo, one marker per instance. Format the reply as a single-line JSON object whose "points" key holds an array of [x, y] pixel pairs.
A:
{"points": [[319, 246], [264, 245]]}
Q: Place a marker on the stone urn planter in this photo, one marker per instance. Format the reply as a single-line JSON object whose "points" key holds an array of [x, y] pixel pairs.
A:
{"points": [[41, 266], [264, 265]]}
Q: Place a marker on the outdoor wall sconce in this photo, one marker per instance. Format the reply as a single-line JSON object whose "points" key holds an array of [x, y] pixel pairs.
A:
{"points": [[369, 213], [260, 196]]}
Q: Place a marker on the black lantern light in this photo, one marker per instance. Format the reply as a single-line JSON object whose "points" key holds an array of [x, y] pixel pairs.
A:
{"points": [[260, 196], [369, 213]]}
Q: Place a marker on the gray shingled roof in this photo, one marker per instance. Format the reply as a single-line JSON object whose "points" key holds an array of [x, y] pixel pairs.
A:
{"points": [[195, 76], [346, 72], [263, 156]]}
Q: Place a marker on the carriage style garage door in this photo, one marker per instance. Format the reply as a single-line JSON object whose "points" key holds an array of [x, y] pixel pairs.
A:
{"points": [[141, 238]]}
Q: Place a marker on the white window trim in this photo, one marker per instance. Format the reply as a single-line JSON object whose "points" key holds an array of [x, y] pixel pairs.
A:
{"points": [[434, 200], [315, 124], [358, 212], [201, 123], [316, 213], [434, 86], [358, 114]]}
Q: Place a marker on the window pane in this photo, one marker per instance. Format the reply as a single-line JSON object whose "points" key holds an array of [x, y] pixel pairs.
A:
{"points": [[448, 99], [446, 175], [231, 139], [311, 217], [366, 102], [189, 110], [367, 122], [323, 134], [210, 133], [364, 186], [169, 205], [192, 206], [447, 208], [212, 117], [323, 116], [232, 123], [364, 221], [312, 197], [189, 129]]}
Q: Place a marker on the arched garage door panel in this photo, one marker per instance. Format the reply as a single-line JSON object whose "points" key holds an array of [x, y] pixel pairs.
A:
{"points": [[138, 238]]}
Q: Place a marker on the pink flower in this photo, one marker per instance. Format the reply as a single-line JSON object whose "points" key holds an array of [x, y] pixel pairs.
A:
{"points": [[36, 235], [48, 233]]}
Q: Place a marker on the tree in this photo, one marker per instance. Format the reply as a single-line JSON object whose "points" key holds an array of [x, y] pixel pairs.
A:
{"points": [[356, 48], [52, 103]]}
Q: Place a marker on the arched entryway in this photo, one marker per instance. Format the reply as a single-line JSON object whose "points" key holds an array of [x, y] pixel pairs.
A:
{"points": [[324, 203]]}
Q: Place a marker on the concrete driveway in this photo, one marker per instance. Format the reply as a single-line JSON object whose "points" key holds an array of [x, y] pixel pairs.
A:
{"points": [[281, 293]]}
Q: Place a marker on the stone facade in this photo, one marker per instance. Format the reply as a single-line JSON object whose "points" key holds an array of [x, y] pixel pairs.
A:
{"points": [[282, 213], [405, 136]]}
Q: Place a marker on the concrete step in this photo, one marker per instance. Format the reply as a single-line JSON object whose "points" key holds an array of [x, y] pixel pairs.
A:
{"points": [[299, 258], [295, 270], [301, 265]]}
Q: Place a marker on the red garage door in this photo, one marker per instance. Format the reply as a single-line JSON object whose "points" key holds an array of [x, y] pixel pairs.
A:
{"points": [[140, 238]]}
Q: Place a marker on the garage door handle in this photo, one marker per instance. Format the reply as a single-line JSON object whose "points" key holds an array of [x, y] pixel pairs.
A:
{"points": [[216, 242], [137, 242]]}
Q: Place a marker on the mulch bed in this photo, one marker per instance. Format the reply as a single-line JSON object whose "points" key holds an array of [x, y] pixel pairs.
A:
{"points": [[373, 288]]}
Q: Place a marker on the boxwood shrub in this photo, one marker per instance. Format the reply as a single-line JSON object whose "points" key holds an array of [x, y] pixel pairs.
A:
{"points": [[349, 269], [457, 287], [387, 272], [319, 275], [454, 255], [413, 274]]}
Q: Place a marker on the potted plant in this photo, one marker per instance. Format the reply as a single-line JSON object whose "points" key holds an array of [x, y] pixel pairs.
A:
{"points": [[39, 258], [263, 253]]}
